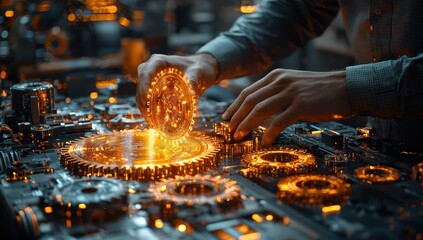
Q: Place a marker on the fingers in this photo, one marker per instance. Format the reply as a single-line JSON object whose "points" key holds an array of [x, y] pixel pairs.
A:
{"points": [[244, 94], [261, 112], [285, 119]]}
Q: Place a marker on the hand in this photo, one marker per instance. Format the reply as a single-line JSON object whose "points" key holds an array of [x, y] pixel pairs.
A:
{"points": [[292, 95], [201, 70]]}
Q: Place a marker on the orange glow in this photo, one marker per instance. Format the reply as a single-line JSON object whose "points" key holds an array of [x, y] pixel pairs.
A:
{"points": [[82, 206], [158, 223], [113, 100], [331, 209], [182, 228], [93, 95], [48, 210], [3, 74], [124, 21], [248, 8], [256, 217], [67, 100], [9, 13], [269, 217], [71, 17]]}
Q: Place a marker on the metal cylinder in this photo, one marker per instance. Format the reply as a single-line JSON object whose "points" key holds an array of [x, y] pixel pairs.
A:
{"points": [[24, 100]]}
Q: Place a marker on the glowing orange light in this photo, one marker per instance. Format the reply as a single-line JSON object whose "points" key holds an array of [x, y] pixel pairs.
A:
{"points": [[113, 99], [67, 100], [82, 206], [48, 210], [257, 218], [71, 17], [269, 217], [132, 191], [3, 74], [247, 8], [124, 21], [158, 223], [182, 227], [331, 209], [93, 95], [9, 13]]}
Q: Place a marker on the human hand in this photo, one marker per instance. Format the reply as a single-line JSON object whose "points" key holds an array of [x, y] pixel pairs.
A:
{"points": [[200, 69], [292, 96]]}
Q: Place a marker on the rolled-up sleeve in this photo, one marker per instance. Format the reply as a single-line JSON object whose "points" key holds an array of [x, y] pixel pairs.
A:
{"points": [[274, 31], [387, 89]]}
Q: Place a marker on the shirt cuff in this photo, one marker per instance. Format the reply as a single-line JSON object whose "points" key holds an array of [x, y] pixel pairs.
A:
{"points": [[372, 89], [227, 55]]}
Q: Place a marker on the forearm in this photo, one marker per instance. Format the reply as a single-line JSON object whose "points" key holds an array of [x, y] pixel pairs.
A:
{"points": [[274, 31], [387, 89]]}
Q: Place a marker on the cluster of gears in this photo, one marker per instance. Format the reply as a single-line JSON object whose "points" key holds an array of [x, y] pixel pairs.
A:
{"points": [[172, 159]]}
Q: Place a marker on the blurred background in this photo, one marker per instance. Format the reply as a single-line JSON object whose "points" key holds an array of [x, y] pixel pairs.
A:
{"points": [[82, 46]]}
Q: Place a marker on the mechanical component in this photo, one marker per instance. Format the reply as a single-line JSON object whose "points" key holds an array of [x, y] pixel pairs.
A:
{"points": [[279, 162], [337, 162], [91, 200], [313, 190], [7, 157], [377, 174], [171, 106], [139, 155], [30, 100], [57, 42], [216, 191]]}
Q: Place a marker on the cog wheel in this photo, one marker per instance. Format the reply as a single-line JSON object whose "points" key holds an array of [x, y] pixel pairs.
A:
{"points": [[139, 155], [91, 200], [313, 190], [221, 193], [377, 174], [279, 162], [170, 104]]}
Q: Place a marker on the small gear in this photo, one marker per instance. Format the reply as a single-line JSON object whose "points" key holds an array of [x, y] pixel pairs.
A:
{"points": [[279, 162], [91, 200], [139, 155], [377, 174], [313, 190], [171, 106], [217, 191]]}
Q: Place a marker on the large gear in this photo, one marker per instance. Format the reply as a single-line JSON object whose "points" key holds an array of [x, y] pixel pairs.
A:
{"points": [[217, 191], [377, 174], [90, 200], [313, 190], [171, 106], [279, 162], [139, 155]]}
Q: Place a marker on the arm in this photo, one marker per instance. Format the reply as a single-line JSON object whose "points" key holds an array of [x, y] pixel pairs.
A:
{"points": [[387, 89], [274, 31]]}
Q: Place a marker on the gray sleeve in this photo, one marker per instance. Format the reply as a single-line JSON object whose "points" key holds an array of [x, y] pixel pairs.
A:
{"points": [[274, 31], [387, 89]]}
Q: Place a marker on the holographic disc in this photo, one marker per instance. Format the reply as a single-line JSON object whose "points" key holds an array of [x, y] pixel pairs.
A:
{"points": [[171, 106]]}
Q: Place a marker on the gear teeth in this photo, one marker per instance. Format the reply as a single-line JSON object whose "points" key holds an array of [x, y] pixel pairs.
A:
{"points": [[221, 193], [377, 174], [100, 155], [278, 162], [311, 190]]}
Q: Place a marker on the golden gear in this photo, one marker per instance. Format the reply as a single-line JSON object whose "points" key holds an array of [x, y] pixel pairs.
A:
{"points": [[279, 162], [313, 190], [139, 155], [91, 200], [171, 106], [377, 174], [217, 191]]}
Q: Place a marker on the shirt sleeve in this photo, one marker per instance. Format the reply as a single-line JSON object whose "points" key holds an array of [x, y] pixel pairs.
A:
{"points": [[274, 31], [387, 89]]}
